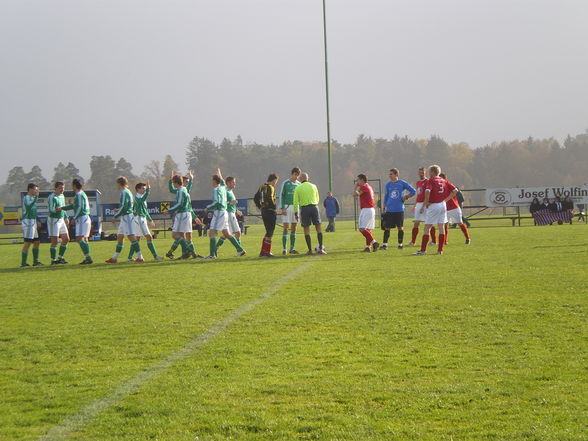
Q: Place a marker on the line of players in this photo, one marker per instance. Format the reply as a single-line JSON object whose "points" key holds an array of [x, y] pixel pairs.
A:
{"points": [[133, 218], [436, 205]]}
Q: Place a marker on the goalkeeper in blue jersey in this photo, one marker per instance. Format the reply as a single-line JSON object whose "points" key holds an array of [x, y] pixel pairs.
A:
{"points": [[397, 192]]}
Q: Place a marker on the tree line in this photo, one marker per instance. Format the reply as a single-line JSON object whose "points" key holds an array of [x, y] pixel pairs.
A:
{"points": [[530, 162]]}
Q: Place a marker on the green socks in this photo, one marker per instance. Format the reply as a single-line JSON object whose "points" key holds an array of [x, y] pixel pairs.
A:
{"points": [[220, 242], [152, 248], [85, 246], [236, 243], [213, 246], [284, 241], [292, 240], [35, 254], [119, 247], [53, 252], [62, 250], [24, 258]]}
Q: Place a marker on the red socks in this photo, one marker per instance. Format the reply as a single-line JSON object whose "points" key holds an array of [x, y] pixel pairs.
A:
{"points": [[465, 231], [266, 245], [415, 234], [441, 242], [433, 235], [424, 242], [369, 237], [446, 231]]}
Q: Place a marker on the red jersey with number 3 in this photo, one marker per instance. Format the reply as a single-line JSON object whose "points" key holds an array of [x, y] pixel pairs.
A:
{"points": [[440, 188], [366, 196], [420, 188]]}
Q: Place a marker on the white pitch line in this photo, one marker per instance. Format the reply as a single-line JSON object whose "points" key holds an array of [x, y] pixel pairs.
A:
{"points": [[86, 414]]}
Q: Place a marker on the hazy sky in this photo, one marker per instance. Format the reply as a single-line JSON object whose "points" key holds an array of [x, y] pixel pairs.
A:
{"points": [[140, 78]]}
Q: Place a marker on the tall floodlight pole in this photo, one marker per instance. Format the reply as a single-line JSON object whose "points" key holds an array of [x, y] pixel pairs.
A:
{"points": [[330, 165]]}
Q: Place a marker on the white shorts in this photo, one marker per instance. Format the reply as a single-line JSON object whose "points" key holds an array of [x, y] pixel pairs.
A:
{"points": [[83, 226], [418, 216], [126, 227], [436, 214], [29, 229], [367, 218], [290, 217], [218, 221], [454, 216], [141, 226], [56, 227], [182, 223], [232, 223]]}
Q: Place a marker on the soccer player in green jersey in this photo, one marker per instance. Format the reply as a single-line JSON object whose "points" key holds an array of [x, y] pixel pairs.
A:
{"points": [[289, 215], [81, 209], [188, 248], [143, 219], [218, 222], [56, 223], [182, 212], [232, 212], [126, 227], [29, 225]]}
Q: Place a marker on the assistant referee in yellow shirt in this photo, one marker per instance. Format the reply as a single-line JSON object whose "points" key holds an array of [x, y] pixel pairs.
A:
{"points": [[306, 196]]}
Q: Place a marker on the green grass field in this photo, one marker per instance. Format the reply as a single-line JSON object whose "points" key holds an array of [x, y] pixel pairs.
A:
{"points": [[487, 342]]}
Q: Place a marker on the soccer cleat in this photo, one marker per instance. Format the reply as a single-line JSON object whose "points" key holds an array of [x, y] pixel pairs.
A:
{"points": [[139, 261], [322, 251], [241, 253], [196, 256], [309, 253], [130, 260], [411, 244], [433, 243], [62, 261], [400, 246], [384, 246], [294, 252], [185, 256], [375, 246], [169, 255], [439, 252], [111, 260], [55, 262], [37, 263], [284, 252], [87, 261], [210, 257], [367, 250], [419, 253], [267, 255], [24, 265], [468, 241], [158, 258]]}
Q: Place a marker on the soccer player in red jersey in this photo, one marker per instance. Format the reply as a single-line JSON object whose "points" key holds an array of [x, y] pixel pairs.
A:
{"points": [[419, 215], [454, 216], [367, 215], [437, 192]]}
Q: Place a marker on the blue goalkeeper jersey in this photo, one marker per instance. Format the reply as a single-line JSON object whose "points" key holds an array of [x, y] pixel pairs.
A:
{"points": [[394, 195]]}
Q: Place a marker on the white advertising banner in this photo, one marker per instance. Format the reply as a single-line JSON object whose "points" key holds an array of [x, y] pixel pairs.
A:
{"points": [[523, 196]]}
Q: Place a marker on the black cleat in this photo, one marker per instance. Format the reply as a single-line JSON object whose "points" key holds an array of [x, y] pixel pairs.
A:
{"points": [[55, 262], [294, 252], [375, 246], [87, 261], [24, 265], [38, 264], [62, 261], [169, 255], [400, 246], [196, 256]]}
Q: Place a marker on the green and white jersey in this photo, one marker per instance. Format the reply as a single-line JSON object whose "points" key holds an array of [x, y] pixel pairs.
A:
{"points": [[80, 206], [183, 203], [287, 193], [126, 203], [231, 208], [219, 199], [140, 206], [56, 201], [29, 207]]}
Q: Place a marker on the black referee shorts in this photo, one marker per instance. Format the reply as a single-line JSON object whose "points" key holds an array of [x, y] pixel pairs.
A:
{"points": [[393, 220], [309, 214]]}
